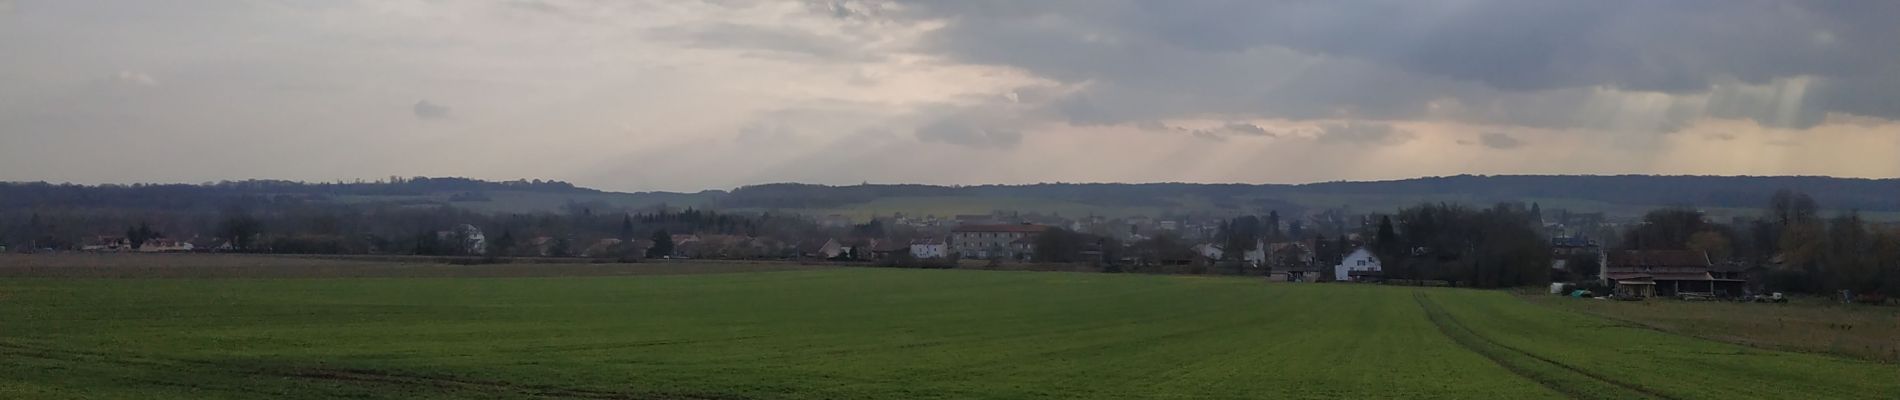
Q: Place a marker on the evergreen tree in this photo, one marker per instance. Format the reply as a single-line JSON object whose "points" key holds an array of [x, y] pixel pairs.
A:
{"points": [[626, 228], [1273, 227], [140, 234], [662, 245], [502, 246]]}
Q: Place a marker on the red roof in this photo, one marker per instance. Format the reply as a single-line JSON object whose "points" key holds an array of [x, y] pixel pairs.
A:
{"points": [[1004, 228]]}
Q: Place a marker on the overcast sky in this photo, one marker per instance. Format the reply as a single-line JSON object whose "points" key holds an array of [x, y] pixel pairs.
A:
{"points": [[689, 95]]}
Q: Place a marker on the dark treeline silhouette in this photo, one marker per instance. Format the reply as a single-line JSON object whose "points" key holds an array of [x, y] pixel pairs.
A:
{"points": [[221, 194], [335, 228], [1492, 247], [1791, 247], [1703, 191]]}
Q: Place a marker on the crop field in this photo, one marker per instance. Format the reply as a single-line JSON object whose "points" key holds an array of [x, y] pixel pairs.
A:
{"points": [[724, 332], [1808, 324]]}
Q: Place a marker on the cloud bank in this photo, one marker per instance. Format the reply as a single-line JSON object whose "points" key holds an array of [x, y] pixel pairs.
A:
{"points": [[685, 95]]}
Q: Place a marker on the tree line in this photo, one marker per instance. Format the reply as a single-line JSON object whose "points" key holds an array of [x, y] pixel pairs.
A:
{"points": [[1499, 246], [1790, 245]]}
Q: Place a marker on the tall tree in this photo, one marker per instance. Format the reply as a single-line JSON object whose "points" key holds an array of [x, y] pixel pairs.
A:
{"points": [[662, 245], [1239, 236], [241, 229], [1848, 259], [1273, 227], [1666, 229], [1391, 252], [1713, 243], [626, 228], [503, 245], [140, 234], [1788, 207]]}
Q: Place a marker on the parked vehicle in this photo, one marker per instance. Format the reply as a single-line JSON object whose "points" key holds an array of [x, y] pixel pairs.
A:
{"points": [[1775, 297]]}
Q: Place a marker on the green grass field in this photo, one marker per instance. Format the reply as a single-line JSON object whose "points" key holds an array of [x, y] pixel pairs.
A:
{"points": [[864, 333]]}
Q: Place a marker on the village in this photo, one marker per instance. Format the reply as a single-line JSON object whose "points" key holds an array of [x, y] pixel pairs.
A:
{"points": [[1325, 246]]}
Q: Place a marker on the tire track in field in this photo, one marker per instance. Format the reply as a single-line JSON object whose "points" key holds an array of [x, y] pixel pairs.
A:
{"points": [[1476, 343]]}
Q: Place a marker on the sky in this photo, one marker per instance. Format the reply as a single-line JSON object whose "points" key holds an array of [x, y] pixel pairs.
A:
{"points": [[685, 95]]}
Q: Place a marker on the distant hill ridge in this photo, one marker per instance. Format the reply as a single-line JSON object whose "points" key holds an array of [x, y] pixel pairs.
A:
{"points": [[1705, 191], [1701, 191]]}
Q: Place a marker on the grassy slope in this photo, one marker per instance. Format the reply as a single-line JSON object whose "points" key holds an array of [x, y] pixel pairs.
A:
{"points": [[1811, 325], [847, 333], [1620, 360]]}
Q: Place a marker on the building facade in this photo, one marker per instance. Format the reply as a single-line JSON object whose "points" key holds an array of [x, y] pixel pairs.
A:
{"points": [[1358, 266], [926, 249], [990, 241]]}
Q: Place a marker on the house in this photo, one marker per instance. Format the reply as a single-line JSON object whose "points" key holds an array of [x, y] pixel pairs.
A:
{"points": [[466, 238], [1359, 266], [108, 244], [816, 248], [1294, 274], [925, 249], [1257, 256], [1573, 246], [215, 245], [1288, 256], [164, 246], [1291, 262], [1209, 251], [857, 249], [684, 238], [539, 246], [1023, 249], [608, 247], [1644, 273], [989, 241], [888, 249]]}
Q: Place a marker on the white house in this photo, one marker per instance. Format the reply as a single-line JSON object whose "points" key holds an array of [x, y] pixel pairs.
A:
{"points": [[469, 237], [924, 249], [1256, 256], [165, 246], [1209, 251], [1357, 266]]}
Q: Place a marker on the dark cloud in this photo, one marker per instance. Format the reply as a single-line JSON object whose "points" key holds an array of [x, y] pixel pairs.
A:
{"points": [[1363, 133], [957, 132], [1500, 141], [1148, 60], [430, 111]]}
